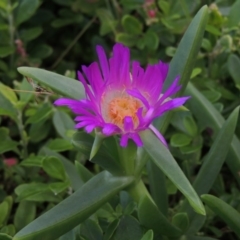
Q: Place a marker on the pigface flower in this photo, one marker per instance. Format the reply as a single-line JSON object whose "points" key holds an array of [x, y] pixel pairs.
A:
{"points": [[123, 99]]}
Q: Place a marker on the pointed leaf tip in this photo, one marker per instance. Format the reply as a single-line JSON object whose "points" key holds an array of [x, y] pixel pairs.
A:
{"points": [[99, 138]]}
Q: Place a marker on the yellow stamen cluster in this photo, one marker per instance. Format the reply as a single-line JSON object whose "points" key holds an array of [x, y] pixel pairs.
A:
{"points": [[120, 107]]}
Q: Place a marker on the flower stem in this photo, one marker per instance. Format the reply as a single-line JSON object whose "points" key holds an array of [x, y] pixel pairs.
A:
{"points": [[22, 134], [139, 190]]}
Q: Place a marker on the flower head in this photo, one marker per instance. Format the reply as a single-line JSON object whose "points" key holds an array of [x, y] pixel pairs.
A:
{"points": [[123, 101]]}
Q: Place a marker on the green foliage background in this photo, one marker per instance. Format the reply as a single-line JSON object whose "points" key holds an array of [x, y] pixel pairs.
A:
{"points": [[43, 161]]}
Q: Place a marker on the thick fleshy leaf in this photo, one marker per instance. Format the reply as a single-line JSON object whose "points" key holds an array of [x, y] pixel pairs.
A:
{"points": [[69, 168], [159, 194], [3, 211], [148, 235], [75, 209], [7, 108], [8, 93], [234, 17], [58, 83], [183, 61], [35, 192], [25, 213], [63, 124], [4, 236], [181, 221], [150, 217], [212, 166], [161, 156], [42, 113], [233, 65], [83, 172], [104, 158], [59, 145], [111, 229], [98, 140], [54, 168], [228, 214], [128, 228], [209, 117], [25, 10]]}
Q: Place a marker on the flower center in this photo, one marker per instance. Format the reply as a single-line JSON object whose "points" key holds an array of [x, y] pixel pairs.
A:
{"points": [[120, 107]]}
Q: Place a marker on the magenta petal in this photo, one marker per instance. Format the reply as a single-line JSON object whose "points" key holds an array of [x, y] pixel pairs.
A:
{"points": [[90, 128], [124, 140], [135, 70], [171, 104], [135, 93], [82, 124], [136, 138], [85, 118], [109, 129], [128, 124], [81, 111], [103, 62], [87, 89], [137, 73], [149, 115], [96, 80], [65, 102], [140, 117], [158, 135], [164, 69], [174, 88], [120, 65]]}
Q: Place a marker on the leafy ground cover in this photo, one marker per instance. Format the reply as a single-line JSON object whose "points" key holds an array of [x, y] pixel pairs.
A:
{"points": [[44, 163]]}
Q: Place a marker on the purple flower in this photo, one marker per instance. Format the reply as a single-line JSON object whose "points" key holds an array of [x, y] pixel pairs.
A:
{"points": [[123, 101]]}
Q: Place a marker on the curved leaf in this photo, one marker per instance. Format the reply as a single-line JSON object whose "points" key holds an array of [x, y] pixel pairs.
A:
{"points": [[152, 218], [159, 195], [228, 214], [75, 209], [165, 161], [208, 115], [233, 65], [25, 10], [69, 168], [212, 166], [184, 59], [58, 83]]}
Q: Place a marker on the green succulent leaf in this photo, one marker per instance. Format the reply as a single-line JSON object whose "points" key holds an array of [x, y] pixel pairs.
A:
{"points": [[25, 10], [228, 214], [75, 209], [161, 156], [152, 218], [208, 116], [233, 64], [131, 25], [212, 165], [183, 61], [60, 84]]}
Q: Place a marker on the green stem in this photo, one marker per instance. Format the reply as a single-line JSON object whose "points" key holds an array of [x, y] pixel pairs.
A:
{"points": [[128, 157], [139, 190], [133, 160], [23, 137]]}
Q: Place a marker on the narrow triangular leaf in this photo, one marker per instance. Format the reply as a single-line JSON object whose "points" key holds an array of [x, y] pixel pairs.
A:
{"points": [[161, 156]]}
